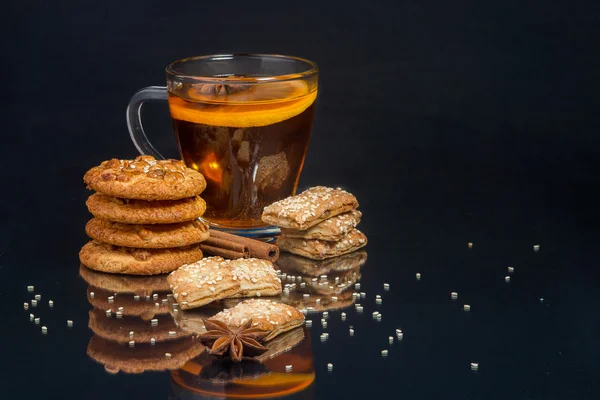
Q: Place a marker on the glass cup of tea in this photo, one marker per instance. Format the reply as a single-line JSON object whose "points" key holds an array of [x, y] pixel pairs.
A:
{"points": [[244, 122]]}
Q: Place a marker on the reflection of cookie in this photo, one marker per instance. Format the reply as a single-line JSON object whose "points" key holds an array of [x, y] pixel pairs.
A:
{"points": [[265, 314], [143, 357], [324, 303], [309, 207], [127, 303], [320, 249], [292, 264], [119, 329], [130, 211], [147, 236], [145, 178], [334, 228], [282, 344], [122, 260], [139, 285]]}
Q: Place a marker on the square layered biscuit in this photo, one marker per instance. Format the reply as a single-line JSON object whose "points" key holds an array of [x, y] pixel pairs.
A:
{"points": [[308, 208], [321, 249], [256, 277], [210, 279], [265, 314], [332, 229]]}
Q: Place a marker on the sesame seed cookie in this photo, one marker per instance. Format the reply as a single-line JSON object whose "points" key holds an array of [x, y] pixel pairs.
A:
{"points": [[332, 229], [265, 314], [147, 236], [123, 260], [145, 178], [203, 282], [131, 211], [308, 208], [320, 249]]}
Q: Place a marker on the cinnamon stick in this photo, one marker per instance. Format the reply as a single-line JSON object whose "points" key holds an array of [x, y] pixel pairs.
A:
{"points": [[225, 244], [219, 251], [256, 248]]}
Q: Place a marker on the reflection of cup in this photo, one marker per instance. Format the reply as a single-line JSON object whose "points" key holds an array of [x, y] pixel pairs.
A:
{"points": [[263, 377], [244, 122]]}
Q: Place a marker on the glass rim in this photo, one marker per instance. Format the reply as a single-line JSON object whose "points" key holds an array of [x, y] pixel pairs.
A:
{"points": [[311, 69]]}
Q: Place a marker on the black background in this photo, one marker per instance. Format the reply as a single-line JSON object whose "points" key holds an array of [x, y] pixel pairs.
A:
{"points": [[452, 122]]}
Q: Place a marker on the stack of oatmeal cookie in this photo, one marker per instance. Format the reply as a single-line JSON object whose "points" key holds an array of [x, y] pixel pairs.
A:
{"points": [[146, 216], [318, 223]]}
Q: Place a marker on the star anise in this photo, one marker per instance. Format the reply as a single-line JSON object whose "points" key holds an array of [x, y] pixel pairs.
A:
{"points": [[244, 341], [209, 89]]}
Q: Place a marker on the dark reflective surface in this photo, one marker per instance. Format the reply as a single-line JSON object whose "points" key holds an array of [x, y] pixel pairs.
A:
{"points": [[451, 124]]}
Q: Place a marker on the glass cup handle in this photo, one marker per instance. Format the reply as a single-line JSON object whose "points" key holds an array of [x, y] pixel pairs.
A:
{"points": [[134, 118]]}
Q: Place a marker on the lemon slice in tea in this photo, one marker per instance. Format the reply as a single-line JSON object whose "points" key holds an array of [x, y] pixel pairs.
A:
{"points": [[242, 106]]}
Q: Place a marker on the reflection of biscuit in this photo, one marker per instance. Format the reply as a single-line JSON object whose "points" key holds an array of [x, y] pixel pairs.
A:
{"points": [[292, 264], [202, 282], [265, 314], [144, 307], [256, 277], [145, 178], [130, 211], [334, 228], [140, 285], [282, 344], [272, 171], [309, 208], [324, 303], [122, 260], [147, 236], [143, 357], [320, 249], [119, 330], [333, 286]]}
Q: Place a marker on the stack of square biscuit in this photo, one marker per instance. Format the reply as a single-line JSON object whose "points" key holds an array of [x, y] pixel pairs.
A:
{"points": [[318, 223], [146, 216]]}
